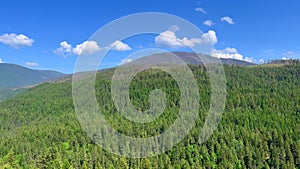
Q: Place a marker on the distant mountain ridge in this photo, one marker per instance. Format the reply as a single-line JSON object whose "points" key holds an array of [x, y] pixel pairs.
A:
{"points": [[193, 59], [15, 79], [13, 76]]}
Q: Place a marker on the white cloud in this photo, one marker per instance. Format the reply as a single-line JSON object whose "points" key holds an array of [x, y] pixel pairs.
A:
{"points": [[261, 61], [232, 53], [16, 41], [64, 49], [229, 53], [208, 23], [119, 46], [227, 19], [201, 10], [169, 39], [124, 61], [87, 47], [230, 50], [284, 58], [32, 64], [210, 37], [250, 59], [1, 61]]}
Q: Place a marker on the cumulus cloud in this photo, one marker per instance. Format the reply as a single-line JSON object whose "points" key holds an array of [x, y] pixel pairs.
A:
{"points": [[261, 61], [229, 53], [169, 39], [227, 19], [208, 23], [209, 37], [230, 50], [1, 61], [119, 46], [87, 47], [250, 59], [32, 64], [201, 10], [232, 53], [16, 41], [64, 49], [284, 58], [124, 61]]}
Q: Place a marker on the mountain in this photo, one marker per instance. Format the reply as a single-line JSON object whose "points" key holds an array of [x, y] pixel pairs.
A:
{"points": [[16, 76], [15, 79], [193, 59], [258, 129]]}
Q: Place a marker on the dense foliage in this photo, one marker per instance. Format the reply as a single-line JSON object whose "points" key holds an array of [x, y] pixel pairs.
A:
{"points": [[7, 93], [260, 127]]}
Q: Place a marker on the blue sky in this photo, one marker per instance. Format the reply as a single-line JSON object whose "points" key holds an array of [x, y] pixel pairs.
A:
{"points": [[258, 30]]}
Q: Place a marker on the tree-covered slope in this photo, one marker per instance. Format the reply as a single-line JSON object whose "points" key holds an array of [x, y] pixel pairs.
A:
{"points": [[260, 126], [7, 93]]}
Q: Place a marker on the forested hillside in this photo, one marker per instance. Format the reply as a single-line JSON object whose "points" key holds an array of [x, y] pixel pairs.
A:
{"points": [[260, 126], [7, 93]]}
